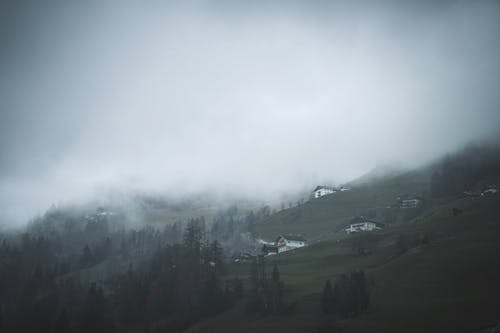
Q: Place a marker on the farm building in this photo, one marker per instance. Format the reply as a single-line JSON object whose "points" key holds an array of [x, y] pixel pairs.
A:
{"points": [[365, 225], [320, 191], [410, 202], [289, 242]]}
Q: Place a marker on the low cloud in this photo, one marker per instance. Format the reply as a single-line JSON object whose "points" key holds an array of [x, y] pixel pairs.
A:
{"points": [[234, 98]]}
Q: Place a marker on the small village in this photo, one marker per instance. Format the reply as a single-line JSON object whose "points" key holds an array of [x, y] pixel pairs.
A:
{"points": [[287, 242]]}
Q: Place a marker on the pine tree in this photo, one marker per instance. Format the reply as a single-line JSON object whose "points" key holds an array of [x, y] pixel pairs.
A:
{"points": [[254, 303], [254, 275], [2, 329], [87, 258], [216, 256], [62, 323], [327, 299], [276, 291], [276, 274]]}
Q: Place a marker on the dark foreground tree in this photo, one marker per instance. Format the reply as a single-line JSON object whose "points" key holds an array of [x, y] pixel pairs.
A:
{"points": [[95, 315], [266, 294], [327, 300], [62, 323], [2, 330], [276, 292], [350, 295]]}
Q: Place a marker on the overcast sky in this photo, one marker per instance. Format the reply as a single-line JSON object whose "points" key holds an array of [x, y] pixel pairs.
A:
{"points": [[228, 96]]}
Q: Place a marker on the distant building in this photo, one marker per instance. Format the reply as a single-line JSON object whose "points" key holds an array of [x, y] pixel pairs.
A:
{"points": [[472, 193], [269, 249], [490, 190], [243, 257], [320, 191], [263, 242], [289, 242], [411, 202], [362, 226]]}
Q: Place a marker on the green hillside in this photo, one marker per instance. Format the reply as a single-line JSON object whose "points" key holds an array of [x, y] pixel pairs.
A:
{"points": [[320, 219], [449, 283]]}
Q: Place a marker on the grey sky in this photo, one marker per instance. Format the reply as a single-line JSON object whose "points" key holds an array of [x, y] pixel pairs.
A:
{"points": [[257, 99]]}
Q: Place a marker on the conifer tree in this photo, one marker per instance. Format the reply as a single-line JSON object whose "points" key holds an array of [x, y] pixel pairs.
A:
{"points": [[276, 274], [2, 329], [62, 323], [327, 299]]}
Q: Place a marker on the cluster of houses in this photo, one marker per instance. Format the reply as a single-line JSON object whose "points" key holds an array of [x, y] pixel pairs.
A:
{"points": [[285, 243], [323, 190]]}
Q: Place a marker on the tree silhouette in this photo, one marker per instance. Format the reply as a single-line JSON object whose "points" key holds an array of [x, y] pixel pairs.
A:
{"points": [[276, 274], [2, 329], [327, 300], [62, 323], [87, 257]]}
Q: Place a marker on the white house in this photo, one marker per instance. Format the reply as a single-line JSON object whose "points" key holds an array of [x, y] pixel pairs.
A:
{"points": [[410, 203], [489, 191], [362, 226], [289, 242], [320, 191]]}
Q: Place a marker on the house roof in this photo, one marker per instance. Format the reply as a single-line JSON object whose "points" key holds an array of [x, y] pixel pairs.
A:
{"points": [[297, 238], [409, 197], [320, 187], [361, 219]]}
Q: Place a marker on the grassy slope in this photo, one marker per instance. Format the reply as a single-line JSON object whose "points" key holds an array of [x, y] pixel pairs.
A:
{"points": [[449, 285], [318, 219]]}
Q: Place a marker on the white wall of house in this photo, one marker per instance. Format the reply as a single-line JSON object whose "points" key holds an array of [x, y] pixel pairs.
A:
{"points": [[410, 203], [294, 243], [287, 244], [364, 226], [489, 191], [323, 191]]}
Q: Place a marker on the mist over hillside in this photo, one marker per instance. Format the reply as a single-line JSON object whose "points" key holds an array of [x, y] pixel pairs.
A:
{"points": [[249, 166], [254, 99]]}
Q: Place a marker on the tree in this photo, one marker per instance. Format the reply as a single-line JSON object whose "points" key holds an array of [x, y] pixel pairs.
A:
{"points": [[276, 292], [350, 294], [327, 300], [95, 315], [87, 257], [251, 221], [276, 274], [363, 244], [215, 256], [402, 244], [175, 234], [2, 329], [255, 301], [254, 274], [62, 323], [192, 238]]}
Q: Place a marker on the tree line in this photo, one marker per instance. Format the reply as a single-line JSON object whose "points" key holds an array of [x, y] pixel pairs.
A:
{"points": [[349, 297], [165, 285]]}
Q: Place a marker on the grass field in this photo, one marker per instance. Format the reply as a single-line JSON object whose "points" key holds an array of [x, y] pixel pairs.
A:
{"points": [[319, 219], [450, 284]]}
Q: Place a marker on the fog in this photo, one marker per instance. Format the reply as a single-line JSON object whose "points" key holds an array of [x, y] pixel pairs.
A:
{"points": [[253, 99]]}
